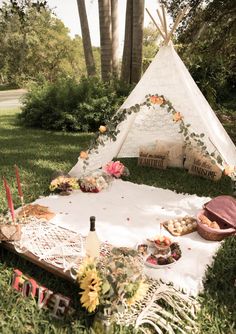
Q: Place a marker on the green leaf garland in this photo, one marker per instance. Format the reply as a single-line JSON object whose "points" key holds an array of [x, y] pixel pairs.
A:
{"points": [[150, 101]]}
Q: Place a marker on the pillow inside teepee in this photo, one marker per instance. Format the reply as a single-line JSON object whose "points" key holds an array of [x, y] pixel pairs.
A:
{"points": [[203, 166], [147, 150], [189, 154], [175, 149], [151, 157]]}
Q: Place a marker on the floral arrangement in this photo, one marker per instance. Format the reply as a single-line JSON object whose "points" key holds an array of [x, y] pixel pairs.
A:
{"points": [[94, 182], [116, 169], [114, 285], [63, 184]]}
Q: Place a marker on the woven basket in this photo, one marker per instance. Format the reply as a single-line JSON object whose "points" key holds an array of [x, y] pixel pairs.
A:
{"points": [[212, 234]]}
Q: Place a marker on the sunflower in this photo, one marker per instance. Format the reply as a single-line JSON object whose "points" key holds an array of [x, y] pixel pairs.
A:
{"points": [[87, 264], [139, 294], [91, 284]]}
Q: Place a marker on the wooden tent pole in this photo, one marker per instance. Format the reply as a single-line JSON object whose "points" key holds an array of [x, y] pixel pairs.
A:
{"points": [[164, 20], [163, 36], [161, 19], [177, 21]]}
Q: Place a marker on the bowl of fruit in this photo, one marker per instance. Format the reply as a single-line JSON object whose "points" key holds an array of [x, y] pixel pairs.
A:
{"points": [[158, 261], [162, 245]]}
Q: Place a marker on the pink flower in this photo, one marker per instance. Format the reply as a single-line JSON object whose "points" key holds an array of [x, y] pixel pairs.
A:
{"points": [[115, 168]]}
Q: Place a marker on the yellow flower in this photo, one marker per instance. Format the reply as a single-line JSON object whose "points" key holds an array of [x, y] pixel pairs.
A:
{"points": [[86, 265], [83, 155], [102, 129], [177, 117], [53, 185], [89, 300], [91, 284], [61, 181], [90, 280], [139, 294]]}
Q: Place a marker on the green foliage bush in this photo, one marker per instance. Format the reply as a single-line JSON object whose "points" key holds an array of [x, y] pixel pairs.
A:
{"points": [[70, 106], [210, 74], [207, 42]]}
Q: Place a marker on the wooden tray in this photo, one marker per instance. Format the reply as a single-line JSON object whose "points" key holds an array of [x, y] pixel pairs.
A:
{"points": [[181, 225]]}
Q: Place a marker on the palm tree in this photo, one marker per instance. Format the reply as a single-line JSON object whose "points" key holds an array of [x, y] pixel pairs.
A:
{"points": [[88, 53], [115, 37], [127, 51], [105, 38], [137, 40], [132, 54]]}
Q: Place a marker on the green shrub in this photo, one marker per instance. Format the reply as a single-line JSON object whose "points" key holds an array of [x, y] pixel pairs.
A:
{"points": [[70, 106]]}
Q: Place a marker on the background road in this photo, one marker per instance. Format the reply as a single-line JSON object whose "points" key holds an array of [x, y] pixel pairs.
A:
{"points": [[11, 98]]}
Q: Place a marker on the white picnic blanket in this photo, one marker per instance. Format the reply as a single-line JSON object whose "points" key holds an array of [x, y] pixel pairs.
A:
{"points": [[128, 213]]}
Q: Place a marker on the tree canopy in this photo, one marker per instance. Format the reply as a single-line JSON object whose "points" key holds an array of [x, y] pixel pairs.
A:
{"points": [[207, 43], [36, 46]]}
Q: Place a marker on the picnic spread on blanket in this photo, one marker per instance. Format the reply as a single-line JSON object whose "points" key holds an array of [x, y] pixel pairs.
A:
{"points": [[127, 246], [175, 234]]}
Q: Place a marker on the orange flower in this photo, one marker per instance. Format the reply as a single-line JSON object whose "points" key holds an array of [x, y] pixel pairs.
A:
{"points": [[102, 129], [177, 117], [229, 170], [156, 99], [83, 155]]}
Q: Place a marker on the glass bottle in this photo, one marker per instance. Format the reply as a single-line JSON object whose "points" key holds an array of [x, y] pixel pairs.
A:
{"points": [[92, 244]]}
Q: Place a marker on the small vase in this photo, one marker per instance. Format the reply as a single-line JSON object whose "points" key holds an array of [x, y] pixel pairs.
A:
{"points": [[103, 324]]}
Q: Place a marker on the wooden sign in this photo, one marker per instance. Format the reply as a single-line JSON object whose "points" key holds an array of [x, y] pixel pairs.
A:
{"points": [[155, 160], [204, 167], [57, 304]]}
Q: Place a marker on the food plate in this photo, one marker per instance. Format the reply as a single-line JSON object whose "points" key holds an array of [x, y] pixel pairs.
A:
{"points": [[153, 259], [181, 226]]}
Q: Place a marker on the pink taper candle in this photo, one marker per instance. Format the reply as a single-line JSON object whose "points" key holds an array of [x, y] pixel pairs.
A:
{"points": [[9, 199]]}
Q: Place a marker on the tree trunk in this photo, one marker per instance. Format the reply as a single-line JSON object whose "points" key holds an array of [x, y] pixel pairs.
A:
{"points": [[22, 57], [105, 38], [88, 53], [115, 37], [137, 44], [127, 51]]}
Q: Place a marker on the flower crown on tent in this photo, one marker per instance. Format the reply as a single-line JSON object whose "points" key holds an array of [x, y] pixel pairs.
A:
{"points": [[110, 131]]}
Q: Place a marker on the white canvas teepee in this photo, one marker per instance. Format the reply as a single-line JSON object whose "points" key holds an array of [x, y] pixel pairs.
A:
{"points": [[167, 76]]}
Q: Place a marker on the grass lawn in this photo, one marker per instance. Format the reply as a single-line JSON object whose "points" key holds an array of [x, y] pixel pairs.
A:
{"points": [[37, 154]]}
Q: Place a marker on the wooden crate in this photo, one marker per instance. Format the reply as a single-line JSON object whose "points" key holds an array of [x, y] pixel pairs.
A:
{"points": [[159, 162]]}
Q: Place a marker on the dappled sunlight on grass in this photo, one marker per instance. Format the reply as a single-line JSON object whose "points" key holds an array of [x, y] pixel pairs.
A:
{"points": [[37, 153]]}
